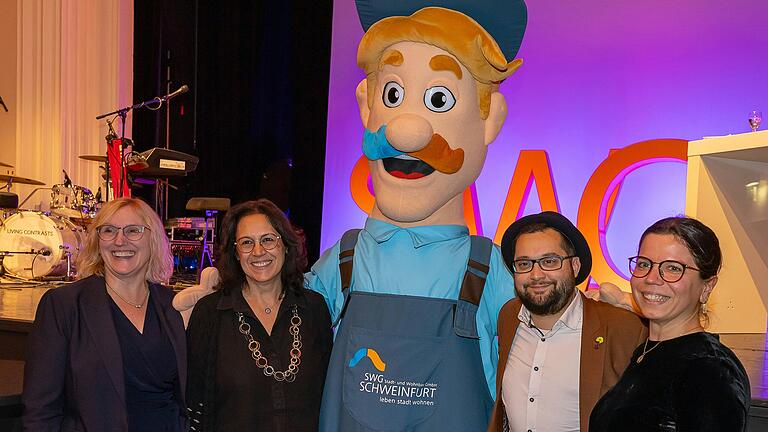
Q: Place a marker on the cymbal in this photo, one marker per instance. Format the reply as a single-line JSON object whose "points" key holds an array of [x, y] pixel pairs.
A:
{"points": [[94, 158], [23, 180], [3, 164]]}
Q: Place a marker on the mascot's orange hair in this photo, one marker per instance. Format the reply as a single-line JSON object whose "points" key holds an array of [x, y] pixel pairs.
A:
{"points": [[448, 30]]}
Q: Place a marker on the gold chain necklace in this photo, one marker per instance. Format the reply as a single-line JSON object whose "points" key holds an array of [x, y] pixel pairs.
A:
{"points": [[642, 356], [254, 347], [136, 305]]}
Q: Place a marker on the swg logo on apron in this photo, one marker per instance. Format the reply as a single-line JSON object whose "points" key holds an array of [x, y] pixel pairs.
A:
{"points": [[395, 382], [392, 391]]}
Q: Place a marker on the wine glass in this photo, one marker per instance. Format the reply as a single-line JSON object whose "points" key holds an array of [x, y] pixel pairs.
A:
{"points": [[755, 118]]}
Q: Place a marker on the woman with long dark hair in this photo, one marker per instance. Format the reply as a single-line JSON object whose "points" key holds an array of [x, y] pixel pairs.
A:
{"points": [[259, 346]]}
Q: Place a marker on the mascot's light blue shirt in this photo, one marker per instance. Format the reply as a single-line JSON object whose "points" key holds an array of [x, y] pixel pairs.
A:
{"points": [[425, 261]]}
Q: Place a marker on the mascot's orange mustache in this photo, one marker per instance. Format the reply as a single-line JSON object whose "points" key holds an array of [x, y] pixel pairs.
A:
{"points": [[440, 156]]}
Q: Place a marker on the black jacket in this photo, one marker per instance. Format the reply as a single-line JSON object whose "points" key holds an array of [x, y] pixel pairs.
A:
{"points": [[73, 377]]}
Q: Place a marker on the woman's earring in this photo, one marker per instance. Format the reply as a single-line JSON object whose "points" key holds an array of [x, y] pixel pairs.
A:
{"points": [[703, 314]]}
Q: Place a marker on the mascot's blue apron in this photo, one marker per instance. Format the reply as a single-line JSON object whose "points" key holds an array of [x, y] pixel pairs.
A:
{"points": [[404, 363]]}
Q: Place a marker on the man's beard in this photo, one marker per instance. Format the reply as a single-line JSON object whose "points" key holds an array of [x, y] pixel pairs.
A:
{"points": [[553, 302]]}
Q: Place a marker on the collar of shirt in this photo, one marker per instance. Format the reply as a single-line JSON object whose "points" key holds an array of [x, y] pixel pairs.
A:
{"points": [[420, 235], [572, 318], [234, 300]]}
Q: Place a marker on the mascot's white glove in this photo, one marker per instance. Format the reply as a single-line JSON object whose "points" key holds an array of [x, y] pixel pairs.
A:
{"points": [[185, 301], [612, 294]]}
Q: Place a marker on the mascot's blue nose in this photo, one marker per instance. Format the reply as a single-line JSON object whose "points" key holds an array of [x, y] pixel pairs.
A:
{"points": [[376, 146]]}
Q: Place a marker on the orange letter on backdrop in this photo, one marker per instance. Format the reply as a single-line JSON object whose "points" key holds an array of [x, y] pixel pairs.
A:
{"points": [[594, 207], [362, 194], [532, 166], [358, 185]]}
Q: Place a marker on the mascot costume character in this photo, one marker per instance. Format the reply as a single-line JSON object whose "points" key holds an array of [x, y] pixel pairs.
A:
{"points": [[415, 298]]}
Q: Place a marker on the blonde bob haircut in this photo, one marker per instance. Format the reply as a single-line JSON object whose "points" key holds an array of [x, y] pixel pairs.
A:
{"points": [[90, 261]]}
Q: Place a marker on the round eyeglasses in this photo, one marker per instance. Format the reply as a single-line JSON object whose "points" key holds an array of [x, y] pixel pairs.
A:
{"points": [[547, 263], [670, 271], [131, 232], [267, 241]]}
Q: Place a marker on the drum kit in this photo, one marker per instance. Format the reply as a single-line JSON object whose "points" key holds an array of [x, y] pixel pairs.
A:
{"points": [[40, 245], [43, 245]]}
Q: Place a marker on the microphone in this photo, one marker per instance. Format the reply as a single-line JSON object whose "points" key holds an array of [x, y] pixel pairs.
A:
{"points": [[181, 90], [2, 102], [98, 195], [67, 180]]}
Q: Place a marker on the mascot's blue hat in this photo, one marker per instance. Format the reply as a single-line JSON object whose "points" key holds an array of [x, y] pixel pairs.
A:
{"points": [[504, 20]]}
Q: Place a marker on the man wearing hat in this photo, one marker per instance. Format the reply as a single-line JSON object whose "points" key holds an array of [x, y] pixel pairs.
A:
{"points": [[559, 352]]}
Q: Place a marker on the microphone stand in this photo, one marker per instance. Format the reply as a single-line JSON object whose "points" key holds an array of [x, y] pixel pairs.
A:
{"points": [[123, 113]]}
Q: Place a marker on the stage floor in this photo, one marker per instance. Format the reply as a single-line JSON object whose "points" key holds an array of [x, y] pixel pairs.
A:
{"points": [[18, 303]]}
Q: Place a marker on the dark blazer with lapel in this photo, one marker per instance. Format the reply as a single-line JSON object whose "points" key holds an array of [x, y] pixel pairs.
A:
{"points": [[73, 377], [601, 363]]}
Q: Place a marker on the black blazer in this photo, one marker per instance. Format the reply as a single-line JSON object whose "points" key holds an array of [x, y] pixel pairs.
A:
{"points": [[73, 378]]}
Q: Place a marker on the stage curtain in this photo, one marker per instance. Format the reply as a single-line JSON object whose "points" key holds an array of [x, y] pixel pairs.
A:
{"points": [[74, 62]]}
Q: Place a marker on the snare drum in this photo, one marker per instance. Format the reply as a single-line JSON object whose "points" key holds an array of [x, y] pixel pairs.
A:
{"points": [[30, 231], [75, 202]]}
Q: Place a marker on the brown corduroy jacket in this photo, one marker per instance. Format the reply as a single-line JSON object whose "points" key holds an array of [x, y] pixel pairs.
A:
{"points": [[602, 360]]}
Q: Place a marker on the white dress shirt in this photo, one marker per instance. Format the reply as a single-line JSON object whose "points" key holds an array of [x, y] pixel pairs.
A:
{"points": [[540, 387]]}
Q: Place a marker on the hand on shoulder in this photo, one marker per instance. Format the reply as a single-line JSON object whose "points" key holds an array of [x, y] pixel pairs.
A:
{"points": [[613, 295]]}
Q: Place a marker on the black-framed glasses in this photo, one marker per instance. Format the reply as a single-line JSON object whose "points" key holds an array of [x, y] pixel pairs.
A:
{"points": [[547, 263], [267, 241], [670, 271], [131, 232]]}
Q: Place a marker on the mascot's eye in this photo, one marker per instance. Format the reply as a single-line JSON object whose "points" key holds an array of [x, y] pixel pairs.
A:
{"points": [[393, 94], [439, 99]]}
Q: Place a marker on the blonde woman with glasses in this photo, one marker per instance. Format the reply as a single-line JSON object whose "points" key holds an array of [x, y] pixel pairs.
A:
{"points": [[108, 352]]}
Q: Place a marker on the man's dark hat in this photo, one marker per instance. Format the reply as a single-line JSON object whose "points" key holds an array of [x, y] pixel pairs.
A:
{"points": [[557, 222], [505, 20]]}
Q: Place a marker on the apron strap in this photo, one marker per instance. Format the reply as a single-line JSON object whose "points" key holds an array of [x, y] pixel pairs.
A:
{"points": [[346, 254], [464, 320]]}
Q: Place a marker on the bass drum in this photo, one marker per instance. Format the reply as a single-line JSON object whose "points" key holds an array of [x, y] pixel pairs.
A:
{"points": [[30, 231]]}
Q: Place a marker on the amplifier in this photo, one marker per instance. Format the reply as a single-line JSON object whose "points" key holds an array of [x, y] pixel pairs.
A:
{"points": [[190, 222], [194, 235]]}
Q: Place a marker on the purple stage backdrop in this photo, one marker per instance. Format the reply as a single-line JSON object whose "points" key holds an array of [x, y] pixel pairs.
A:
{"points": [[597, 75]]}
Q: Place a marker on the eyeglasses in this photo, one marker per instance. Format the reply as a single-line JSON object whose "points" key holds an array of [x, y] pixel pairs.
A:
{"points": [[547, 263], [670, 270], [131, 232], [267, 241]]}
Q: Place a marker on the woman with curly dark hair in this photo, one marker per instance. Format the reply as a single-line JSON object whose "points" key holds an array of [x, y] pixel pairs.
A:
{"points": [[259, 346]]}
